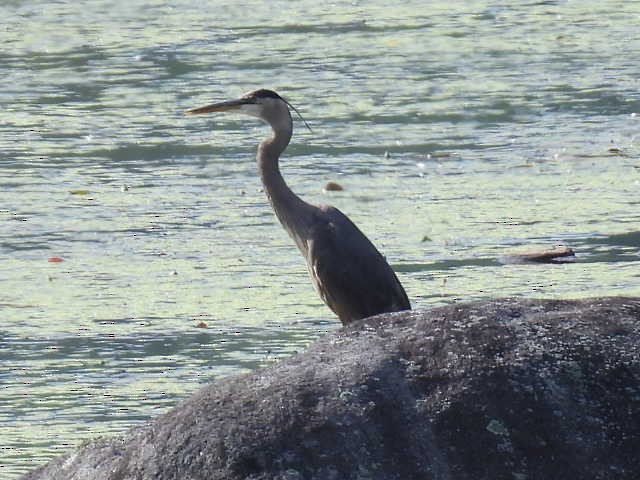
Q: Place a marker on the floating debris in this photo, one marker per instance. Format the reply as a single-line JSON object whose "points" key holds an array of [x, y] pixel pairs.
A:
{"points": [[79, 192], [611, 152], [54, 260], [332, 187], [201, 324], [559, 254]]}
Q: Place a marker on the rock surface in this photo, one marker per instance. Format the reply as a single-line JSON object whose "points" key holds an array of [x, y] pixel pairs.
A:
{"points": [[504, 389]]}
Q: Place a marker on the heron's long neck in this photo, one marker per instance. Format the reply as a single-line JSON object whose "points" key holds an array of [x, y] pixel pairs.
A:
{"points": [[290, 209]]}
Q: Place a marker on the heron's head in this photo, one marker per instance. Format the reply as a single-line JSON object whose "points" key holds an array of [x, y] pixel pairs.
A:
{"points": [[264, 104]]}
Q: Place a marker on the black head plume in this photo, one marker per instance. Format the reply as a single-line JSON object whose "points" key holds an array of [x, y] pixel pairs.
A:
{"points": [[255, 95]]}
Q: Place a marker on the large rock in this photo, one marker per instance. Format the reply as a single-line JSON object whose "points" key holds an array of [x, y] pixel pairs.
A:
{"points": [[505, 389]]}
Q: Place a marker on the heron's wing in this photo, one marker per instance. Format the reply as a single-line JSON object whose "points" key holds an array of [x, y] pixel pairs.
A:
{"points": [[351, 276]]}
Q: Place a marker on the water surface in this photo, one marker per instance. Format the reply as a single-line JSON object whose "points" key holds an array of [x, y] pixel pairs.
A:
{"points": [[459, 131]]}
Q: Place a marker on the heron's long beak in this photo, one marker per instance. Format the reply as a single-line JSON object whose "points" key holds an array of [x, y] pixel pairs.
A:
{"points": [[218, 107]]}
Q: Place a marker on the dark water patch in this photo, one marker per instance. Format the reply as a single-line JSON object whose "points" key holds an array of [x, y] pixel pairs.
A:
{"points": [[511, 222], [609, 255], [482, 115], [362, 26], [594, 101], [174, 66], [74, 92], [446, 264], [84, 56], [623, 240], [157, 153], [379, 151], [615, 248], [170, 60], [217, 345], [628, 239], [161, 229], [23, 242]]}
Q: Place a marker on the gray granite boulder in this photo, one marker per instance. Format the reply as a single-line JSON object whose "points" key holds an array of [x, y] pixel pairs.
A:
{"points": [[505, 389]]}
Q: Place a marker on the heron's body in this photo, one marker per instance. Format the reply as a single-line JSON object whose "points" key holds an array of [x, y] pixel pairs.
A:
{"points": [[346, 269]]}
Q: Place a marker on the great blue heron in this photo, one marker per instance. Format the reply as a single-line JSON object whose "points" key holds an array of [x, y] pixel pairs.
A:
{"points": [[347, 271]]}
